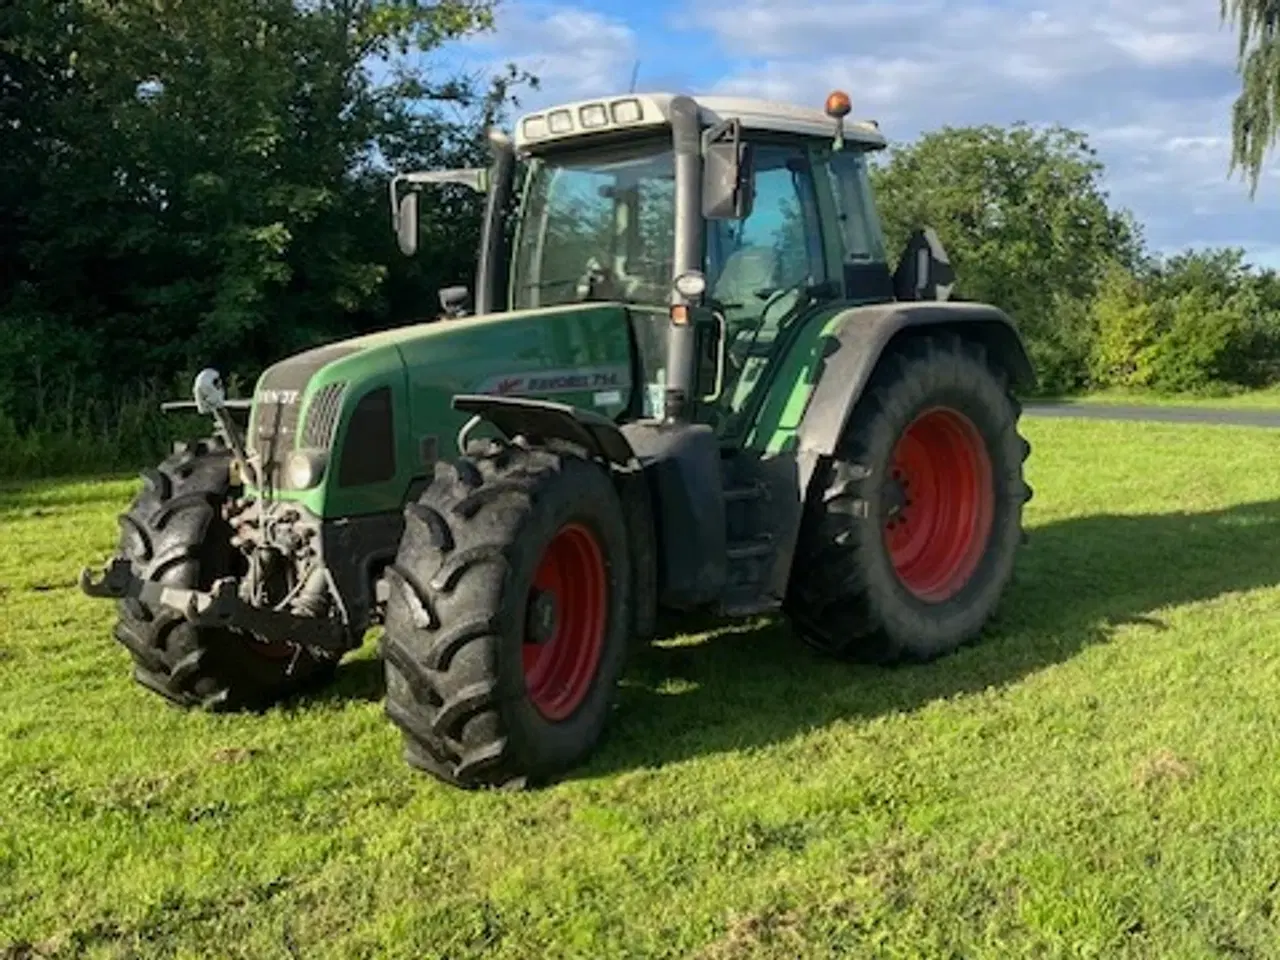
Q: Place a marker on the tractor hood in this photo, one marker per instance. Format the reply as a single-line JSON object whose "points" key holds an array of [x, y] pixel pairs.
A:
{"points": [[377, 410]]}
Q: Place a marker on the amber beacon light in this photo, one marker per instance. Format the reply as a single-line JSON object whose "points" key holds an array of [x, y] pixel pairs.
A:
{"points": [[838, 107]]}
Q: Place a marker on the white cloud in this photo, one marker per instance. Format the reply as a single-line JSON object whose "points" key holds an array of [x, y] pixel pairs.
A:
{"points": [[1061, 38], [574, 52], [1151, 86]]}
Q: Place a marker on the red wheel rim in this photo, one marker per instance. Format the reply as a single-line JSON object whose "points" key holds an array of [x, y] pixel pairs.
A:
{"points": [[943, 504], [564, 631]]}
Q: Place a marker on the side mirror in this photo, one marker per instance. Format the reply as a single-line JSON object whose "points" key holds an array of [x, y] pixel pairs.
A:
{"points": [[407, 223], [455, 301], [210, 395], [726, 173]]}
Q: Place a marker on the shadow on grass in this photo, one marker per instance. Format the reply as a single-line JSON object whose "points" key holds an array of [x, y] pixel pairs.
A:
{"points": [[1078, 579], [360, 678]]}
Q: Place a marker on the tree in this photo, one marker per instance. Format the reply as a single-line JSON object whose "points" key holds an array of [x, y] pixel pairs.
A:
{"points": [[204, 181], [1254, 115], [1025, 221]]}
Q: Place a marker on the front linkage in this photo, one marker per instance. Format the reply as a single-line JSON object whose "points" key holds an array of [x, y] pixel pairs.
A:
{"points": [[218, 608], [208, 622]]}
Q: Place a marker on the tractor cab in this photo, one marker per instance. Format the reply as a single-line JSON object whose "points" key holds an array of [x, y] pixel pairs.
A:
{"points": [[731, 217]]}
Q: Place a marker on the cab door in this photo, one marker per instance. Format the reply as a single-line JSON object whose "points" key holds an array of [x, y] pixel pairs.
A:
{"points": [[763, 274]]}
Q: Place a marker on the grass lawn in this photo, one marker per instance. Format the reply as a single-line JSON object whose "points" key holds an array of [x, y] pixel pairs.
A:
{"points": [[1098, 778], [1267, 399]]}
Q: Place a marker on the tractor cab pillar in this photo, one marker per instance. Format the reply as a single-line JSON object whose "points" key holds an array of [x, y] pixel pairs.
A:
{"points": [[713, 182]]}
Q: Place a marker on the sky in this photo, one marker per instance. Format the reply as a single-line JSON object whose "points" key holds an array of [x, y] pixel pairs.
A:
{"points": [[1151, 84]]}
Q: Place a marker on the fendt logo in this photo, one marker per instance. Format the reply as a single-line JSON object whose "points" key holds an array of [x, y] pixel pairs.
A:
{"points": [[507, 385], [284, 397]]}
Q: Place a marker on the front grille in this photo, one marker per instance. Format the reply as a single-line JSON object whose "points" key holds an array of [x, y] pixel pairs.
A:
{"points": [[322, 417], [273, 425]]}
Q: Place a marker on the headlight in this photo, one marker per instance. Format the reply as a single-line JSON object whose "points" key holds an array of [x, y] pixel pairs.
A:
{"points": [[627, 111], [535, 128], [304, 469]]}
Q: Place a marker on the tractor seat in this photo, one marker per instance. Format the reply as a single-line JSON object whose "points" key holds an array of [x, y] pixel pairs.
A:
{"points": [[746, 271]]}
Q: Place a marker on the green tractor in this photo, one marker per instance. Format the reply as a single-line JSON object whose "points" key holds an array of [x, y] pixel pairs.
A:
{"points": [[693, 382]]}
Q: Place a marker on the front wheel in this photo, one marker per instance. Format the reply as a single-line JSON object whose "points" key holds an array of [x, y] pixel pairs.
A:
{"points": [[911, 530], [506, 627], [174, 534]]}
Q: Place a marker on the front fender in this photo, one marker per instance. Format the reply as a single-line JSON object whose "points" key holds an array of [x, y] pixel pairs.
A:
{"points": [[547, 420], [542, 420]]}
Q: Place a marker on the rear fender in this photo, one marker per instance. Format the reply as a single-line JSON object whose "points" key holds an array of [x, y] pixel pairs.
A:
{"points": [[849, 358], [865, 334]]}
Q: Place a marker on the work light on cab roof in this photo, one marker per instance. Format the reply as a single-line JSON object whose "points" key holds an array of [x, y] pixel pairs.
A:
{"points": [[689, 378], [626, 116]]}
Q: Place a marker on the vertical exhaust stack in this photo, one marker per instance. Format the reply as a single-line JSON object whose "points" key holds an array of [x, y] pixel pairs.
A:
{"points": [[686, 136], [491, 268]]}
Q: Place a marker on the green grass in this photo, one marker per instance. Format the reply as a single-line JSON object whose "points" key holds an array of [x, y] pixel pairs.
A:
{"points": [[1098, 778], [1265, 399]]}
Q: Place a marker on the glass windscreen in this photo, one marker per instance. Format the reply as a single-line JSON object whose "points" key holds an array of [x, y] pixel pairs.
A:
{"points": [[597, 224]]}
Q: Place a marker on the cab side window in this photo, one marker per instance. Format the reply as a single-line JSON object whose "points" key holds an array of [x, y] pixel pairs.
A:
{"points": [[777, 246], [859, 223], [757, 269]]}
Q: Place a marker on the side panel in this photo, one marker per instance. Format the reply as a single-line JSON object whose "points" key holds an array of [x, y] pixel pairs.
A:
{"points": [[579, 355], [791, 380], [351, 406], [373, 456]]}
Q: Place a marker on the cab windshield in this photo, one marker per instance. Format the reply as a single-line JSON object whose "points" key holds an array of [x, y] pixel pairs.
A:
{"points": [[597, 224]]}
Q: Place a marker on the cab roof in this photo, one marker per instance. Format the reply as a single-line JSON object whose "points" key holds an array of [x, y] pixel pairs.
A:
{"points": [[584, 119]]}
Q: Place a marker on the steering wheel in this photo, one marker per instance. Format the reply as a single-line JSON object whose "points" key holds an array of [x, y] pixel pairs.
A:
{"points": [[594, 276], [771, 295]]}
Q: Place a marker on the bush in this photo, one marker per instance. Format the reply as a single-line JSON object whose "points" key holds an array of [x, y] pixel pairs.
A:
{"points": [[1150, 336], [1060, 349]]}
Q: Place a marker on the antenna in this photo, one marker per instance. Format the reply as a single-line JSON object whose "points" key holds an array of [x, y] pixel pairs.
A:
{"points": [[635, 72]]}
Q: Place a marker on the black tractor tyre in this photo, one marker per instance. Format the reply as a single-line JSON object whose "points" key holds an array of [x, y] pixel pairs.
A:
{"points": [[174, 533], [508, 619], [885, 571]]}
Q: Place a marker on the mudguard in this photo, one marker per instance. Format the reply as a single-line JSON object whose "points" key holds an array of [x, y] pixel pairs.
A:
{"points": [[864, 334], [849, 358], [547, 420]]}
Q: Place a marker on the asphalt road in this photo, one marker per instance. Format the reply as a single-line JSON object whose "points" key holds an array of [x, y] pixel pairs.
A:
{"points": [[1200, 415]]}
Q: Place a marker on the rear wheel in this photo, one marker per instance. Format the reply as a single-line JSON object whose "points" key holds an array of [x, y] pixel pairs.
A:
{"points": [[174, 533], [506, 627], [911, 530]]}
